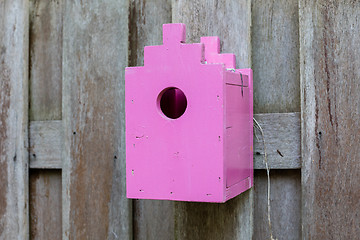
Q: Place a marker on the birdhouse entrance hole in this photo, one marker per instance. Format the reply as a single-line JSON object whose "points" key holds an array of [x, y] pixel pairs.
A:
{"points": [[172, 102]]}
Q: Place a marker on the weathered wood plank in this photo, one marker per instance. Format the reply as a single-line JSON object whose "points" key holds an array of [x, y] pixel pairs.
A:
{"points": [[14, 41], [46, 144], [275, 53], [285, 205], [231, 21], [281, 130], [230, 220], [275, 58], [45, 59], [95, 53], [45, 140], [45, 204], [153, 219], [329, 51], [145, 20], [282, 138]]}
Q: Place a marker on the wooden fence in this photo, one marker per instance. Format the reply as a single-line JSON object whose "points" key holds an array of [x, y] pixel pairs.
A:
{"points": [[62, 148]]}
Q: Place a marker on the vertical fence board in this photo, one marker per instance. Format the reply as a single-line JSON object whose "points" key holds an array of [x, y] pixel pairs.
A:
{"points": [[45, 59], [45, 204], [14, 40], [275, 55], [45, 104], [275, 52], [231, 21], [145, 26], [330, 73], [153, 219], [285, 205], [95, 53]]}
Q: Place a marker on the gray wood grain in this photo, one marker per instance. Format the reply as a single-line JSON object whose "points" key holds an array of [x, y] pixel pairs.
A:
{"points": [[14, 42], [275, 55], [45, 140], [228, 19], [329, 51], [275, 52], [230, 220], [285, 205], [45, 144], [281, 130], [153, 219], [231, 21], [45, 59], [45, 204], [282, 139], [145, 20], [95, 53]]}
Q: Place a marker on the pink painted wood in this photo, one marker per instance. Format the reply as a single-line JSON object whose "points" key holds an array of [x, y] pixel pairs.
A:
{"points": [[189, 124]]}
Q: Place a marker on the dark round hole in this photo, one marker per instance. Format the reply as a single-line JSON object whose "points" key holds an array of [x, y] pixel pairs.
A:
{"points": [[173, 102]]}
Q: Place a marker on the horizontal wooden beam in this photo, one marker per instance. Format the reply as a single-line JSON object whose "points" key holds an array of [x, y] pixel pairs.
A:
{"points": [[282, 139], [45, 144], [281, 131]]}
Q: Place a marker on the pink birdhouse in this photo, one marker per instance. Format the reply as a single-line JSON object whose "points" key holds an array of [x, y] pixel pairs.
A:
{"points": [[189, 122]]}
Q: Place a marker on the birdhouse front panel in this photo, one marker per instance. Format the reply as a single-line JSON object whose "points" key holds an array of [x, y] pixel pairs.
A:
{"points": [[188, 120]]}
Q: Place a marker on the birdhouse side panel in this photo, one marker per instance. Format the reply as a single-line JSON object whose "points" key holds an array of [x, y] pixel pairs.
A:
{"points": [[238, 127]]}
